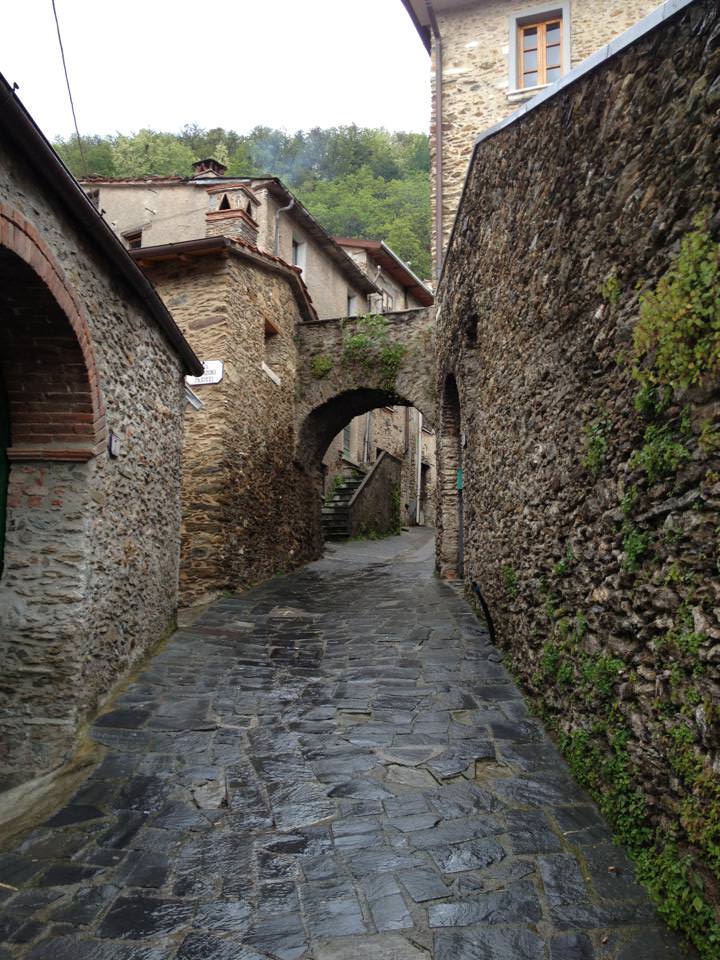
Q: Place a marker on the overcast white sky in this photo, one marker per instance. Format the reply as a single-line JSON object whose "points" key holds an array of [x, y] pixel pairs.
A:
{"points": [[292, 64]]}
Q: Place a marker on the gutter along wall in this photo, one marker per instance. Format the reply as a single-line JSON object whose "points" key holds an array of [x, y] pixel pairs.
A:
{"points": [[591, 526]]}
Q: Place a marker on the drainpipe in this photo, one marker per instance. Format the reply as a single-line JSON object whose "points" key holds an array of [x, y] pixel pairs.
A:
{"points": [[437, 44], [419, 469], [277, 224]]}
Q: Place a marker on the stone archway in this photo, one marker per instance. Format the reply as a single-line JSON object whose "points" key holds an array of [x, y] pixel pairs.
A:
{"points": [[450, 546], [54, 427]]}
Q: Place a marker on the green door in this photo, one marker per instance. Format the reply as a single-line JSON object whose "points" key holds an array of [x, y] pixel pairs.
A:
{"points": [[4, 467]]}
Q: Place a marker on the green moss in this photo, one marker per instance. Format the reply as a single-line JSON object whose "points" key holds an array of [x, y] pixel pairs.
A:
{"points": [[676, 343], [596, 445], [611, 289], [512, 581], [321, 365]]}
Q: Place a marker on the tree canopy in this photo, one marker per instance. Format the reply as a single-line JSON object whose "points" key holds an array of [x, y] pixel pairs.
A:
{"points": [[357, 182]]}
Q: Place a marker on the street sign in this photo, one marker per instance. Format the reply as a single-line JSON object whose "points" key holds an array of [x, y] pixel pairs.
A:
{"points": [[212, 373]]}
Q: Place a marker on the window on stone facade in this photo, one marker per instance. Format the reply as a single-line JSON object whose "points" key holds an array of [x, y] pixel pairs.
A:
{"points": [[351, 305], [540, 51]]}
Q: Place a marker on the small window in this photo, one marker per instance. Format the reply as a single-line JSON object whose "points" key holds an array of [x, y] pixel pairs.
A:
{"points": [[351, 305], [298, 253], [133, 240], [224, 203], [273, 345], [540, 52]]}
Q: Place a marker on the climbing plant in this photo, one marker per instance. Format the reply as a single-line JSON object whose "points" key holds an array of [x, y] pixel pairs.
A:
{"points": [[366, 344]]}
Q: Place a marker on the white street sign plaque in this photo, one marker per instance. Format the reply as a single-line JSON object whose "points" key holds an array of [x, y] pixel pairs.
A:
{"points": [[212, 373]]}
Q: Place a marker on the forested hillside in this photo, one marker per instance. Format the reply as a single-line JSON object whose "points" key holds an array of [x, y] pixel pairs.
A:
{"points": [[357, 182]]}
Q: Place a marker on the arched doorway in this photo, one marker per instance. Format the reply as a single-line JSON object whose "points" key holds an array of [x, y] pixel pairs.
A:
{"points": [[451, 483], [51, 428]]}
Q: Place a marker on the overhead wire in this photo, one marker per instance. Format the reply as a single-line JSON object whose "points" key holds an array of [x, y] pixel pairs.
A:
{"points": [[67, 81]]}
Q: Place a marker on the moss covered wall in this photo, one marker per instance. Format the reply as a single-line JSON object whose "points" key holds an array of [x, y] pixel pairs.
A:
{"points": [[591, 412]]}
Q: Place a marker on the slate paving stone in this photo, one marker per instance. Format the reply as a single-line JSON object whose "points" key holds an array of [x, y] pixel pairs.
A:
{"points": [[462, 857], [612, 873], [334, 765], [489, 944], [571, 946], [201, 946], [530, 833], [74, 948], [423, 884], [140, 917], [387, 906], [518, 903], [282, 937], [85, 906]]}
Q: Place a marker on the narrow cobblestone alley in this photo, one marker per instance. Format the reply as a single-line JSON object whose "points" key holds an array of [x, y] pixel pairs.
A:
{"points": [[336, 766]]}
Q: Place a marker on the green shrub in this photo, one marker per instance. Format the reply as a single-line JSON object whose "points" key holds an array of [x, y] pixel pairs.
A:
{"points": [[660, 455], [677, 338], [635, 546], [321, 365], [596, 445]]}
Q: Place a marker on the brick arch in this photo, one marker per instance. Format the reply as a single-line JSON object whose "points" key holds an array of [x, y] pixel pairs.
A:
{"points": [[46, 358]]}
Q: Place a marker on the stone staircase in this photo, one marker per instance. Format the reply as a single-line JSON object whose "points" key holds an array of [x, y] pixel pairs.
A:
{"points": [[336, 509]]}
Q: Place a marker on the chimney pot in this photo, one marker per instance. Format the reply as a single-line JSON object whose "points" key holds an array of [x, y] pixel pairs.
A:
{"points": [[209, 168]]}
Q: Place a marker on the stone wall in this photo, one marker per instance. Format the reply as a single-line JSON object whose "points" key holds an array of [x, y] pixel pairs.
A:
{"points": [[394, 429], [476, 90], [248, 511], [91, 553], [590, 527], [375, 507]]}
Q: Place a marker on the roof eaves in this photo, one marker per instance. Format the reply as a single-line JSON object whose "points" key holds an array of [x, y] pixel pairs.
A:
{"points": [[18, 127], [421, 29], [225, 246]]}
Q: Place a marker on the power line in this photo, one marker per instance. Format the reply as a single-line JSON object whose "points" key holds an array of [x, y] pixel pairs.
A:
{"points": [[67, 81]]}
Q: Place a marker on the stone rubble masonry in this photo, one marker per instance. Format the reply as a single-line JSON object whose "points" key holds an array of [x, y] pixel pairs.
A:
{"points": [[92, 548], [476, 91], [326, 404], [603, 179], [248, 510]]}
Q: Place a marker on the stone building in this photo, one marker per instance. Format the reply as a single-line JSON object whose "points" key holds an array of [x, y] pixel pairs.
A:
{"points": [[338, 277], [91, 405], [247, 507], [490, 56], [396, 430], [159, 210], [578, 377]]}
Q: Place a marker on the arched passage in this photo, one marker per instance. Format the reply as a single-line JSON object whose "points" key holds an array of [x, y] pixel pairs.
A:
{"points": [[397, 466], [450, 483], [327, 420]]}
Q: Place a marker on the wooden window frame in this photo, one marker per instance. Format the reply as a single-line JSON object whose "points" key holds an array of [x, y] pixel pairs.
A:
{"points": [[541, 26]]}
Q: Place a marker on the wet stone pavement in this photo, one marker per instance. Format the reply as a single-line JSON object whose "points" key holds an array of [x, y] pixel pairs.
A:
{"points": [[334, 766]]}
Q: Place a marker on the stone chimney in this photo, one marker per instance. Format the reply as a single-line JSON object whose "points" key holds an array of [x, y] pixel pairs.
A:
{"points": [[209, 168]]}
